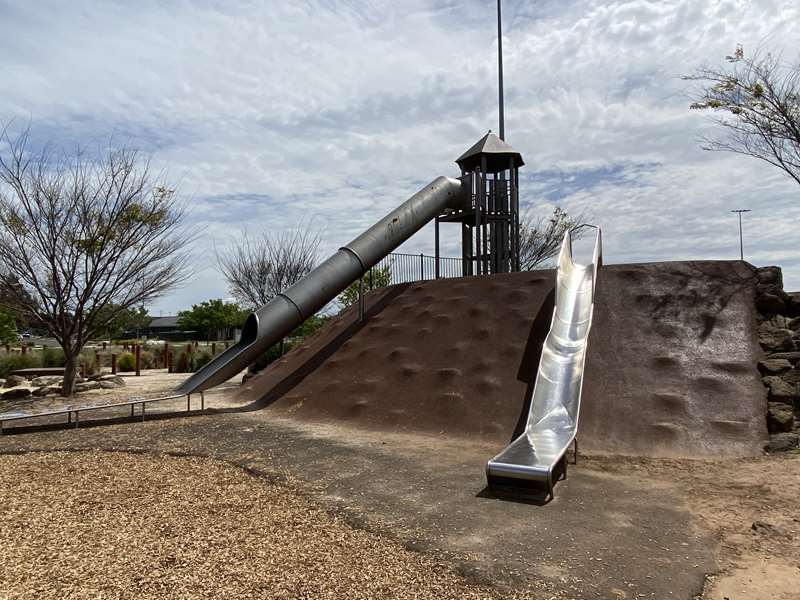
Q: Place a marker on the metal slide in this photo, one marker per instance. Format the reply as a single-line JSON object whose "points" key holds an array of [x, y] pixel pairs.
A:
{"points": [[555, 406], [281, 315]]}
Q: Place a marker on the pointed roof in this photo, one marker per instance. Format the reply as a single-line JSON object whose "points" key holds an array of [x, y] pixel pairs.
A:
{"points": [[496, 151]]}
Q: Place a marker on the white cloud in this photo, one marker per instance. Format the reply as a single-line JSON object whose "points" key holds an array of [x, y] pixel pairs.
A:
{"points": [[267, 111]]}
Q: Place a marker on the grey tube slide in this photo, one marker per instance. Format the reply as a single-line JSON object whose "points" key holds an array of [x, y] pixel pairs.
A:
{"points": [[281, 315], [555, 406]]}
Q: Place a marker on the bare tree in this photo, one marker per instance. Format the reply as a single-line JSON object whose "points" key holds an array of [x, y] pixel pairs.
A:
{"points": [[83, 239], [540, 239], [758, 98], [258, 269]]}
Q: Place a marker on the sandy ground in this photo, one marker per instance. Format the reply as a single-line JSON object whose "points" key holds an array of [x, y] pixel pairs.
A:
{"points": [[152, 383]]}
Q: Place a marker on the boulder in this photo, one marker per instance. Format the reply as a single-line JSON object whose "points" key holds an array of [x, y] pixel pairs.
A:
{"points": [[116, 379], [774, 366], [781, 442], [47, 380], [780, 417], [793, 378], [16, 392], [793, 324], [771, 275], [779, 390], [87, 386], [777, 340], [792, 357], [47, 391], [15, 380], [107, 385], [770, 304]]}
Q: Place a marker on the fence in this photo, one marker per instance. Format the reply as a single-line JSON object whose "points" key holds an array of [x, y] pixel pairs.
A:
{"points": [[405, 268]]}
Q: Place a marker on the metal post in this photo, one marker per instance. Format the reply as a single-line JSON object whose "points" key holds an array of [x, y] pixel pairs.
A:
{"points": [[360, 299], [188, 402], [421, 267], [741, 243], [500, 70], [436, 249], [138, 357]]}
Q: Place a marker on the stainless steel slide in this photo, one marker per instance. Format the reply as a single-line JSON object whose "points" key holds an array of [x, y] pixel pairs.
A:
{"points": [[281, 315], [555, 406]]}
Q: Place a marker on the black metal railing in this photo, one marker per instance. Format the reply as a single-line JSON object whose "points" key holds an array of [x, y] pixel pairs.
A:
{"points": [[405, 268]]}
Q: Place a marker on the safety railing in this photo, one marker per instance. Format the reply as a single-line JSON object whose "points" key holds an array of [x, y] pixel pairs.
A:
{"points": [[405, 268]]}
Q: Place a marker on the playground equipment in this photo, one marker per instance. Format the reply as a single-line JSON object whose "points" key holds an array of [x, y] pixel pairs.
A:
{"points": [[484, 201], [288, 310], [540, 451]]}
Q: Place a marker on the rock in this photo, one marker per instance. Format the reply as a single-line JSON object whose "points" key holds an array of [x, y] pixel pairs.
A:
{"points": [[47, 391], [777, 340], [793, 306], [793, 324], [2, 383], [119, 381], [771, 275], [792, 357], [781, 442], [774, 366], [779, 390], [47, 380], [108, 384], [780, 417], [15, 380], [793, 378], [16, 392], [770, 304], [87, 386], [768, 529], [247, 375]]}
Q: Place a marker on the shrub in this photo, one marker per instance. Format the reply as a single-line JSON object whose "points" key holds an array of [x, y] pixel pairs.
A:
{"points": [[87, 359], [201, 359], [53, 357], [13, 362], [126, 362]]}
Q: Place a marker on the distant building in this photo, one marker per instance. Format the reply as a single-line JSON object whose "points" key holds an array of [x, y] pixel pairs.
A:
{"points": [[163, 328]]}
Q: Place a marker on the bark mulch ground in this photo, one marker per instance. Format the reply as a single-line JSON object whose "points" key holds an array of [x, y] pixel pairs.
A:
{"points": [[115, 525]]}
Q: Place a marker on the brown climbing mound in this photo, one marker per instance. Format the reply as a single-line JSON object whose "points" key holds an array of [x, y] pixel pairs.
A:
{"points": [[671, 369]]}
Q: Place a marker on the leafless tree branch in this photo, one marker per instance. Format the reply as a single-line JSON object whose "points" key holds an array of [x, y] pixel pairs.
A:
{"points": [[84, 239]]}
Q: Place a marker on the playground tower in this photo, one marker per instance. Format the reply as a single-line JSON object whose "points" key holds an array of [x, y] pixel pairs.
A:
{"points": [[490, 219]]}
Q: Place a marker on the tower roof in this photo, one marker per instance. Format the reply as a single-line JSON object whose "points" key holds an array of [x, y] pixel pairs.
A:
{"points": [[496, 151]]}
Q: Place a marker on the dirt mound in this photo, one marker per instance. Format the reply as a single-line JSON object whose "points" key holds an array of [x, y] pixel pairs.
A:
{"points": [[671, 368]]}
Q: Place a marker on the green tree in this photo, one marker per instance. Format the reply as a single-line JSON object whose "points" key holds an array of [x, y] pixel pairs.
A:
{"points": [[130, 319], [377, 278], [212, 317], [757, 100], [8, 328]]}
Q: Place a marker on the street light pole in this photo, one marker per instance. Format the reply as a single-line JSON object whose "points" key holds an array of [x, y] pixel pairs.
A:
{"points": [[500, 70], [739, 211]]}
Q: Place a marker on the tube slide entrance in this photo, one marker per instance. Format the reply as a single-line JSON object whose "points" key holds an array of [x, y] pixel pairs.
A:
{"points": [[555, 406], [281, 315]]}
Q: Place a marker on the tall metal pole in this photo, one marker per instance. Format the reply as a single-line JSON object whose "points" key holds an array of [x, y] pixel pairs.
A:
{"points": [[741, 243], [500, 70]]}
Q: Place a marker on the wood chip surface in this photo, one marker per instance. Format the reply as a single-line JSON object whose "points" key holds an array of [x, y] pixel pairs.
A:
{"points": [[114, 525]]}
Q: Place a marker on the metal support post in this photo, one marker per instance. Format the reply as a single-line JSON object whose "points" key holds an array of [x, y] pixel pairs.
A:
{"points": [[361, 300]]}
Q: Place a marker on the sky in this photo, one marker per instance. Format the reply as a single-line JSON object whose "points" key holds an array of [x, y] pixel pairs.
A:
{"points": [[329, 113]]}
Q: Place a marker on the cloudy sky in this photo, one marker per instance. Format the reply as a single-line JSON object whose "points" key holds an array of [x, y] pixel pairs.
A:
{"points": [[270, 113]]}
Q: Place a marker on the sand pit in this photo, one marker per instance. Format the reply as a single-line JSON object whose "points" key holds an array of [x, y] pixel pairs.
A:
{"points": [[112, 525], [671, 369]]}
